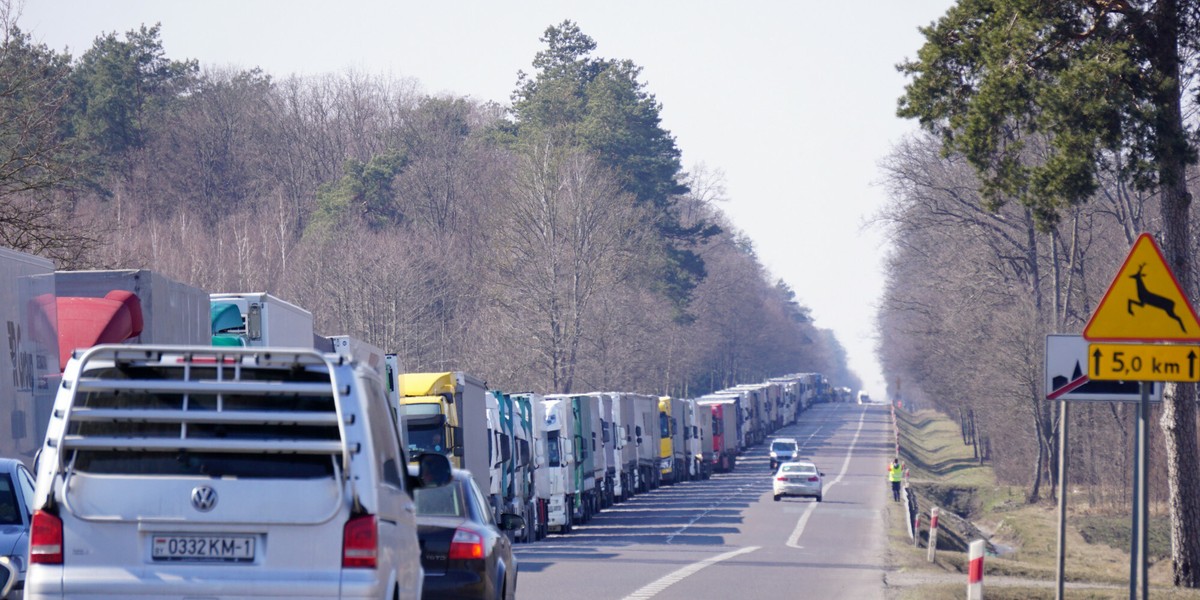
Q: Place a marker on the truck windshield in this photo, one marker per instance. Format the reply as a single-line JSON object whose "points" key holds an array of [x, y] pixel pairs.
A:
{"points": [[426, 438]]}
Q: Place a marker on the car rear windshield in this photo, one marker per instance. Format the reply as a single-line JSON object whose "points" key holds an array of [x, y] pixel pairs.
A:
{"points": [[444, 501], [800, 469], [263, 463]]}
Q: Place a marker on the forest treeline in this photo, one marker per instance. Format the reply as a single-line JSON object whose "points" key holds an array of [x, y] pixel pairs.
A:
{"points": [[553, 244], [1054, 134]]}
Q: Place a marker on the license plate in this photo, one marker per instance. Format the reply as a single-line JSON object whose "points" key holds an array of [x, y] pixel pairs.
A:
{"points": [[231, 548]]}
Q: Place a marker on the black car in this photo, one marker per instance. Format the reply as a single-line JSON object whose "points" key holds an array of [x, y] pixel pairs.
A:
{"points": [[465, 553]]}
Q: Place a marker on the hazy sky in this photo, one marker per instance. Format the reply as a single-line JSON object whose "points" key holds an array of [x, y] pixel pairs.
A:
{"points": [[794, 101]]}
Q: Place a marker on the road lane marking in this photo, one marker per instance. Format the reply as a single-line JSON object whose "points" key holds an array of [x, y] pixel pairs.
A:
{"points": [[654, 588], [794, 540]]}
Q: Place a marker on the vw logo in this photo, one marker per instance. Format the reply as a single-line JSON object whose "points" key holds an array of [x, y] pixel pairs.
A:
{"points": [[204, 498]]}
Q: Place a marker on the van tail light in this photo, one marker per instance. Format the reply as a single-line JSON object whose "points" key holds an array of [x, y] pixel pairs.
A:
{"points": [[466, 545], [360, 542], [46, 539]]}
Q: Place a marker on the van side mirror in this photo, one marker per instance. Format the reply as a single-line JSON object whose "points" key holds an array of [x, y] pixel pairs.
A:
{"points": [[433, 470], [511, 522]]}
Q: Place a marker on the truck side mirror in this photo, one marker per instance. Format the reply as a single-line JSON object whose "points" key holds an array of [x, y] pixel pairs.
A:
{"points": [[254, 321], [433, 470]]}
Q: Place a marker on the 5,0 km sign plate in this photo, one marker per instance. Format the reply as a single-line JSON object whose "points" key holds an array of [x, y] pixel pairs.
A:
{"points": [[1144, 362]]}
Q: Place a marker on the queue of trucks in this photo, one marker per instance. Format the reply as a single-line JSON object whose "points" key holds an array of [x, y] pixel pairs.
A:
{"points": [[556, 459]]}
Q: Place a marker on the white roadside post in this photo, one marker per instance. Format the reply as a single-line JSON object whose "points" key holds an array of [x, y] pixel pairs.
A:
{"points": [[975, 571], [917, 531], [933, 532]]}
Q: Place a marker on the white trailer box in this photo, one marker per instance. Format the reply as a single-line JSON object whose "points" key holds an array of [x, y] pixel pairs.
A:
{"points": [[626, 455], [173, 313], [555, 482], [647, 436], [29, 372], [268, 321]]}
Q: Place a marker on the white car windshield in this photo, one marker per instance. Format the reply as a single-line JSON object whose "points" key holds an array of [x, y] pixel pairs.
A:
{"points": [[783, 446]]}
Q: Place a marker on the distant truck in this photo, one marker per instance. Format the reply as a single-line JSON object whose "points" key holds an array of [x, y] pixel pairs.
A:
{"points": [[446, 413], [127, 306], [49, 315], [523, 415], [706, 451], [259, 319], [29, 362], [646, 428], [724, 414], [624, 447], [863, 397], [556, 477]]}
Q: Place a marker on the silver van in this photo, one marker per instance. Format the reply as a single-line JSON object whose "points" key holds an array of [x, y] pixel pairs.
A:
{"points": [[202, 472]]}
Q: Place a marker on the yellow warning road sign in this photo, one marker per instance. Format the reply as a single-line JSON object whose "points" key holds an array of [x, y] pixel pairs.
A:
{"points": [[1144, 302]]}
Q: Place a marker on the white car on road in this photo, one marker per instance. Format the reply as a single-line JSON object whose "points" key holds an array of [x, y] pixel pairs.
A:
{"points": [[798, 478]]}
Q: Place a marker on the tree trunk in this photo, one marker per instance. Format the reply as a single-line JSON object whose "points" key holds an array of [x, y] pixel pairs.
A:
{"points": [[1179, 401], [1035, 493]]}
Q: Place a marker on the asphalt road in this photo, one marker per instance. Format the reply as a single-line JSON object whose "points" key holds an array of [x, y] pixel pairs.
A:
{"points": [[727, 538]]}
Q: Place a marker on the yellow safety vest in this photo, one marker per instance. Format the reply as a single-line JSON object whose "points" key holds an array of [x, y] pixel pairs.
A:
{"points": [[895, 473]]}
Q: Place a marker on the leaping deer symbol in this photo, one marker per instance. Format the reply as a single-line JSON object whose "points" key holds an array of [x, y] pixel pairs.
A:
{"points": [[1145, 296]]}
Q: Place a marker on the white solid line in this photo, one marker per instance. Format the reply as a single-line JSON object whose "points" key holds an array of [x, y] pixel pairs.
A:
{"points": [[794, 540], [652, 589]]}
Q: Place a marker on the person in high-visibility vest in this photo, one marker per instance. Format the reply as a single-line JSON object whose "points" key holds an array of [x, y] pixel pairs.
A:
{"points": [[895, 475]]}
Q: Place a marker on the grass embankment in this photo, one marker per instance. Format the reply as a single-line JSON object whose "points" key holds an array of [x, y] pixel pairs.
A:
{"points": [[943, 472]]}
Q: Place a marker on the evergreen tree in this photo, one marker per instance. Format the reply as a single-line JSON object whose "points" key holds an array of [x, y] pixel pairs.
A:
{"points": [[601, 107], [121, 86]]}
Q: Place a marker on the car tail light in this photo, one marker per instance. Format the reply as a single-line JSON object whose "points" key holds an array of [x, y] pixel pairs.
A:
{"points": [[360, 542], [781, 479], [46, 539], [814, 478], [466, 545]]}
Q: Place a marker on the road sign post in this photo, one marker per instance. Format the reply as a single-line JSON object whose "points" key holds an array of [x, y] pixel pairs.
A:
{"points": [[1144, 330]]}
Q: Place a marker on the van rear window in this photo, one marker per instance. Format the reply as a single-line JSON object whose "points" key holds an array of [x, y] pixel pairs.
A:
{"points": [[206, 464], [241, 434]]}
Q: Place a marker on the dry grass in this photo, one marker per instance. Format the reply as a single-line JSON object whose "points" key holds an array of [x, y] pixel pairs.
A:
{"points": [[943, 472]]}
